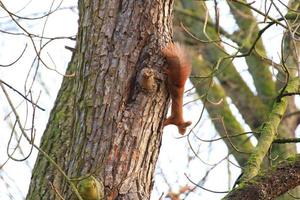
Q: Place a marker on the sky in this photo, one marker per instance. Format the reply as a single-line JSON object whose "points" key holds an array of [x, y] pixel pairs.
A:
{"points": [[174, 159]]}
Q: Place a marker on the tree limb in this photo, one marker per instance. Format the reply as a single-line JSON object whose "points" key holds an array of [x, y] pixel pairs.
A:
{"points": [[268, 132], [271, 184]]}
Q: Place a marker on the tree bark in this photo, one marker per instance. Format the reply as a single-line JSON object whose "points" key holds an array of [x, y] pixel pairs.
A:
{"points": [[103, 123], [271, 184]]}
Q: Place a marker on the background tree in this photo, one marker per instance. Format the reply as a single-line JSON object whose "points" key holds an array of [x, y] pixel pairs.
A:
{"points": [[268, 104], [105, 125]]}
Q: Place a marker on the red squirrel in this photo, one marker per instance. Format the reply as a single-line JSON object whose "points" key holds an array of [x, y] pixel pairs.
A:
{"points": [[178, 70]]}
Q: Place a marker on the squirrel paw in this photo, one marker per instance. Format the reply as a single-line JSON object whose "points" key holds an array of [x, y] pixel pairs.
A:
{"points": [[181, 125]]}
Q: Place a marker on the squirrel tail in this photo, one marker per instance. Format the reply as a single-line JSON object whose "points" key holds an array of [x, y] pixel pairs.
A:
{"points": [[176, 54]]}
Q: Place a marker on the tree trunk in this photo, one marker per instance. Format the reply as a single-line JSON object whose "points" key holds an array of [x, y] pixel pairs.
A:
{"points": [[103, 123]]}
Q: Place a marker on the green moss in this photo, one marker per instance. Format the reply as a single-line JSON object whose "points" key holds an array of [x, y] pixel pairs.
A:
{"points": [[91, 189], [293, 158], [268, 132]]}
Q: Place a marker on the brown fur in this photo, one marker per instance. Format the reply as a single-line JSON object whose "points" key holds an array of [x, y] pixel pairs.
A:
{"points": [[178, 70]]}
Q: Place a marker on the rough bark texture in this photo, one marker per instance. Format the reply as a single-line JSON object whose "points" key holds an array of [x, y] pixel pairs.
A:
{"points": [[271, 184], [103, 123]]}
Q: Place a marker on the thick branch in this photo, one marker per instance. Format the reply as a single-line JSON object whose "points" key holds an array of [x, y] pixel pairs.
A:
{"points": [[268, 132], [272, 184], [228, 76], [260, 72]]}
